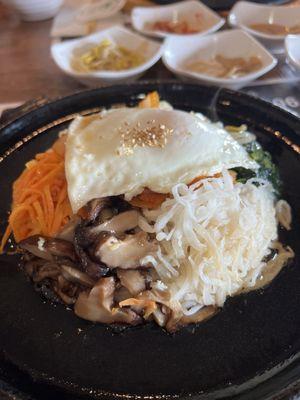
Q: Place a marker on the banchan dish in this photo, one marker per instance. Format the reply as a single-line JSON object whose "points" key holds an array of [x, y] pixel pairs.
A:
{"points": [[261, 326]]}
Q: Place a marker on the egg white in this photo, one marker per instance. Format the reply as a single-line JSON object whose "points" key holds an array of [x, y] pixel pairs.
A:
{"points": [[96, 166]]}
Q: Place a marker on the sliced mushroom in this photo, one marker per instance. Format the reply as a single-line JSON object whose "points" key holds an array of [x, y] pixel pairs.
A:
{"points": [[31, 265], [159, 316], [63, 279], [65, 290], [36, 246], [125, 253], [120, 204], [94, 207], [142, 304], [68, 231], [82, 238], [121, 294], [105, 215], [93, 269], [48, 248], [177, 321], [97, 305], [120, 223], [47, 270], [60, 248], [133, 280], [76, 276]]}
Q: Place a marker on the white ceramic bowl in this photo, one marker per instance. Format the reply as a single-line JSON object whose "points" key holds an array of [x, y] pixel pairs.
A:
{"points": [[35, 10], [192, 11], [292, 48], [230, 43], [62, 54], [100, 9], [245, 13]]}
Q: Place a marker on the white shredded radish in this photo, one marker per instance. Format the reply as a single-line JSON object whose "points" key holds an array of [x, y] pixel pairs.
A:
{"points": [[284, 214], [213, 237]]}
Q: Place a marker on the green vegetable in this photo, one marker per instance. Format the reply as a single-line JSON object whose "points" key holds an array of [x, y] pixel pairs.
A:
{"points": [[243, 174], [268, 169]]}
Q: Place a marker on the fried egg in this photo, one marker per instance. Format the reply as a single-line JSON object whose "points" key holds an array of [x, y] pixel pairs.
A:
{"points": [[123, 151]]}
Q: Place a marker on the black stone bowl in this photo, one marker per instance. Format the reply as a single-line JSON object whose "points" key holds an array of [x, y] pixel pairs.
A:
{"points": [[249, 349]]}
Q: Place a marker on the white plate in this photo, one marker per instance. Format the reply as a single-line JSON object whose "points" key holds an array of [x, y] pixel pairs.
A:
{"points": [[292, 48], [191, 11], [245, 13], [229, 43], [63, 52]]}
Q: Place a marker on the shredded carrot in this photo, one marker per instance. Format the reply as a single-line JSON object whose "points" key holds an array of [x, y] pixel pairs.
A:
{"points": [[40, 200], [217, 175], [5, 237], [150, 101], [83, 212], [148, 199], [201, 177]]}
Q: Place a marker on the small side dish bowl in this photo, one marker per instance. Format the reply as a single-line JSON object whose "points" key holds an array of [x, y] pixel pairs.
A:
{"points": [[64, 52], [246, 15], [35, 10], [180, 52], [292, 49], [101, 9], [191, 14]]}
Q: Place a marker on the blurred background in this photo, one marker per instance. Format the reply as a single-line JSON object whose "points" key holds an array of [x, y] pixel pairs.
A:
{"points": [[36, 38]]}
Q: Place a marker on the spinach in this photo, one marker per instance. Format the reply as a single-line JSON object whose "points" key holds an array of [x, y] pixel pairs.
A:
{"points": [[243, 174], [267, 169]]}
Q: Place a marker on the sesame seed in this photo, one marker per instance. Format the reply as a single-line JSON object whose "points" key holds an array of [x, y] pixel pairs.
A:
{"points": [[151, 135]]}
